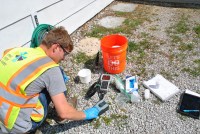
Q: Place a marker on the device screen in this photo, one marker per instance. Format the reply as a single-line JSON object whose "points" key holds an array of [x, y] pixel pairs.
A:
{"points": [[106, 77], [104, 84], [190, 105]]}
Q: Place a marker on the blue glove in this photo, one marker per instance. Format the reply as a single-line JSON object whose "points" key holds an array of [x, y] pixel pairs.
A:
{"points": [[65, 77], [91, 113]]}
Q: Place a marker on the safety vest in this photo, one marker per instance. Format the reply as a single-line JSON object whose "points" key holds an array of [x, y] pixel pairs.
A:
{"points": [[18, 68]]}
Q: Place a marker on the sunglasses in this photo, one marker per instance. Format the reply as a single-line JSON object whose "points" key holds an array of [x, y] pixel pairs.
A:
{"points": [[65, 52]]}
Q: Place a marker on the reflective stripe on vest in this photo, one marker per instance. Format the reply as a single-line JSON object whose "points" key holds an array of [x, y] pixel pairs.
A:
{"points": [[17, 79], [12, 94], [11, 104], [38, 112], [12, 99]]}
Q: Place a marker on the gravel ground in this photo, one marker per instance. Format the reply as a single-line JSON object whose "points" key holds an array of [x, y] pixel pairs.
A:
{"points": [[164, 55]]}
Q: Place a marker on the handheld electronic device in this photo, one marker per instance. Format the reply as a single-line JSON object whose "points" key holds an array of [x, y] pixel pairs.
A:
{"points": [[105, 81], [189, 105], [102, 106]]}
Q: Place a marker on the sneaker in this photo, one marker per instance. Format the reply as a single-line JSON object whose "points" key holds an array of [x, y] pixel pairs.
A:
{"points": [[59, 121]]}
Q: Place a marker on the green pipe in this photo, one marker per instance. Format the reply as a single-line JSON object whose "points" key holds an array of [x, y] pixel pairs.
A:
{"points": [[39, 33]]}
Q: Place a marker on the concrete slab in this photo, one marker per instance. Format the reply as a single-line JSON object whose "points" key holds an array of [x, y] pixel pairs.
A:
{"points": [[124, 7], [111, 22], [89, 46]]}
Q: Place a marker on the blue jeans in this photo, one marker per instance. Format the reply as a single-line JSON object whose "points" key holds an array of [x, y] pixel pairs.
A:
{"points": [[45, 99]]}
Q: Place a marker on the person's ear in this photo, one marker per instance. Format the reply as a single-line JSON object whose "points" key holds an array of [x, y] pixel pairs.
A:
{"points": [[54, 48]]}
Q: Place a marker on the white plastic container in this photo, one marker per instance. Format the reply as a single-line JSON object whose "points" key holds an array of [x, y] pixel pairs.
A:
{"points": [[131, 84], [135, 97], [84, 75], [147, 94]]}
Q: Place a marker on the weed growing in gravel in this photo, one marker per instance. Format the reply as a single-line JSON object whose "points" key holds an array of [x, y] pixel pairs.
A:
{"points": [[175, 38], [186, 46], [132, 46], [81, 57], [107, 120], [144, 35], [97, 31], [197, 30], [68, 91], [153, 28], [124, 14], [119, 120], [96, 123], [138, 53], [195, 71], [132, 21], [166, 74], [182, 26], [178, 29]]}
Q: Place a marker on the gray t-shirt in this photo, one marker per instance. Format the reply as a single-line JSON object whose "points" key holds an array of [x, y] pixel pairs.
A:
{"points": [[52, 80]]}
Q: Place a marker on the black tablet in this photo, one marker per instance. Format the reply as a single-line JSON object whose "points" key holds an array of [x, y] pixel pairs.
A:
{"points": [[189, 105]]}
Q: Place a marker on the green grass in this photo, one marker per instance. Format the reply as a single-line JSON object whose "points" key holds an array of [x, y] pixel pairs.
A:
{"points": [[153, 28], [126, 28], [132, 46], [98, 32], [124, 14], [195, 71], [182, 26], [107, 120], [138, 53], [175, 38], [186, 46], [116, 118], [81, 57], [166, 74], [139, 47], [197, 30], [132, 21], [96, 123]]}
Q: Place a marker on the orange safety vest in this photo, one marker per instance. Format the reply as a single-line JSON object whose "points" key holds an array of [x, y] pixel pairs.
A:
{"points": [[18, 68]]}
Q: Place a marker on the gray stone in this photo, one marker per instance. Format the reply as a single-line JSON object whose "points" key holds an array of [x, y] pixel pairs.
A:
{"points": [[122, 7], [111, 22]]}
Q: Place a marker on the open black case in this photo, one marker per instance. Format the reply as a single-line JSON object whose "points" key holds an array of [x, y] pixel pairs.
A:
{"points": [[189, 105]]}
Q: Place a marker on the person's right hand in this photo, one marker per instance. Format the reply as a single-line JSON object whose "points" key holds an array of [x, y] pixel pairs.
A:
{"points": [[91, 113]]}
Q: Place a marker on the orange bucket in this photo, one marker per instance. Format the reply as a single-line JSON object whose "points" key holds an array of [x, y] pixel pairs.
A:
{"points": [[114, 53]]}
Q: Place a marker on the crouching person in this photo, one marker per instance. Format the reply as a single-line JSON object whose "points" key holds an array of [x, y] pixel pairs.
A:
{"points": [[30, 78]]}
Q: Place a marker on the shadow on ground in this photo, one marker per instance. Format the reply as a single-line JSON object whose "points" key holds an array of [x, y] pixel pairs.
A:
{"points": [[164, 3], [66, 126]]}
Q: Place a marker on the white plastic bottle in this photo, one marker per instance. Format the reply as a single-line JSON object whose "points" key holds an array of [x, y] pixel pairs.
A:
{"points": [[147, 94]]}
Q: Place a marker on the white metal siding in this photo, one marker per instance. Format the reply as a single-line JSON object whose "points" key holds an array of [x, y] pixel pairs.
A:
{"points": [[16, 24]]}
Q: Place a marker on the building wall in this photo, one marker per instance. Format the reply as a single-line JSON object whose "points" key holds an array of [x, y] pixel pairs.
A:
{"points": [[17, 24]]}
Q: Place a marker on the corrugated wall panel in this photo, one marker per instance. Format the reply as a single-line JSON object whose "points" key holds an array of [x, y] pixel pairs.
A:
{"points": [[17, 27]]}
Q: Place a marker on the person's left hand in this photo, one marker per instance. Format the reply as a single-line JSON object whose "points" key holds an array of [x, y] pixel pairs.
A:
{"points": [[91, 113]]}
